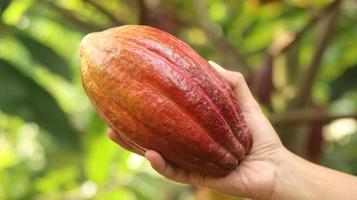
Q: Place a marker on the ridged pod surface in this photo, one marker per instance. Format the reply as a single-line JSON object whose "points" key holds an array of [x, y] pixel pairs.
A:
{"points": [[155, 92]]}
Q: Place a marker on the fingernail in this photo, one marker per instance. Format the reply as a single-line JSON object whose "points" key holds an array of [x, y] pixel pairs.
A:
{"points": [[212, 62]]}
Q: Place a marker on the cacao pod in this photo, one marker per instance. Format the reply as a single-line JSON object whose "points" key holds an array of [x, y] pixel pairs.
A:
{"points": [[157, 93]]}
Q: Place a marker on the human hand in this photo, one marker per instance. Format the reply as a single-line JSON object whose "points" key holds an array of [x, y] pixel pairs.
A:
{"points": [[255, 175], [269, 171]]}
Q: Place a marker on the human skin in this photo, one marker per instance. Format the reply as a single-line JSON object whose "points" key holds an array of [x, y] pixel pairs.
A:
{"points": [[270, 171]]}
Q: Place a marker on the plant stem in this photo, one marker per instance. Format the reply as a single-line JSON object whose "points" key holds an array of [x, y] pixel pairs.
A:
{"points": [[234, 57], [304, 94], [316, 16], [306, 118]]}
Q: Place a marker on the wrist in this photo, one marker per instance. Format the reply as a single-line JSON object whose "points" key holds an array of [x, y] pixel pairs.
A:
{"points": [[280, 171], [296, 178]]}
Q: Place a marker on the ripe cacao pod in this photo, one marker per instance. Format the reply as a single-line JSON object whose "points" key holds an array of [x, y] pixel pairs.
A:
{"points": [[155, 92]]}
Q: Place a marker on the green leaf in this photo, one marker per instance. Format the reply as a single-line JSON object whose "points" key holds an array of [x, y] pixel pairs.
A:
{"points": [[43, 54], [22, 96], [3, 5], [145, 187], [342, 157], [100, 152], [100, 156], [119, 193], [345, 82]]}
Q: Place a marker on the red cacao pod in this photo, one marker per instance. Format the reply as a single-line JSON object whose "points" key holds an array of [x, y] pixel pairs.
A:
{"points": [[155, 92]]}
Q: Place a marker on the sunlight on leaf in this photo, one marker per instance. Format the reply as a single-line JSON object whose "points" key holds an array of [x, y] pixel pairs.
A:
{"points": [[120, 193], [196, 36], [15, 11], [100, 155], [29, 148], [88, 189], [339, 129], [7, 153], [135, 161], [217, 10], [57, 180]]}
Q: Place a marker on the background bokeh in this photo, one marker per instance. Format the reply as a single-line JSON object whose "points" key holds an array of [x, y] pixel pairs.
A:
{"points": [[298, 56]]}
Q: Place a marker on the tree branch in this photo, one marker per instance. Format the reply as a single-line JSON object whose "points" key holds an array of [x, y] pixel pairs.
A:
{"points": [[304, 94], [108, 14], [307, 117], [234, 57], [316, 16]]}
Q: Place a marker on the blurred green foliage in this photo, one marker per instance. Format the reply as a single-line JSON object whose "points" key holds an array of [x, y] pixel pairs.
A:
{"points": [[54, 146]]}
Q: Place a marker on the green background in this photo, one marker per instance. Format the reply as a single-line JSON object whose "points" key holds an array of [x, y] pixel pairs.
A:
{"points": [[54, 146]]}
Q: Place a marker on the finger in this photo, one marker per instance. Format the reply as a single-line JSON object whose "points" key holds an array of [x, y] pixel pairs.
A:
{"points": [[159, 164], [179, 175], [116, 138], [227, 75], [239, 85], [171, 172], [123, 142]]}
